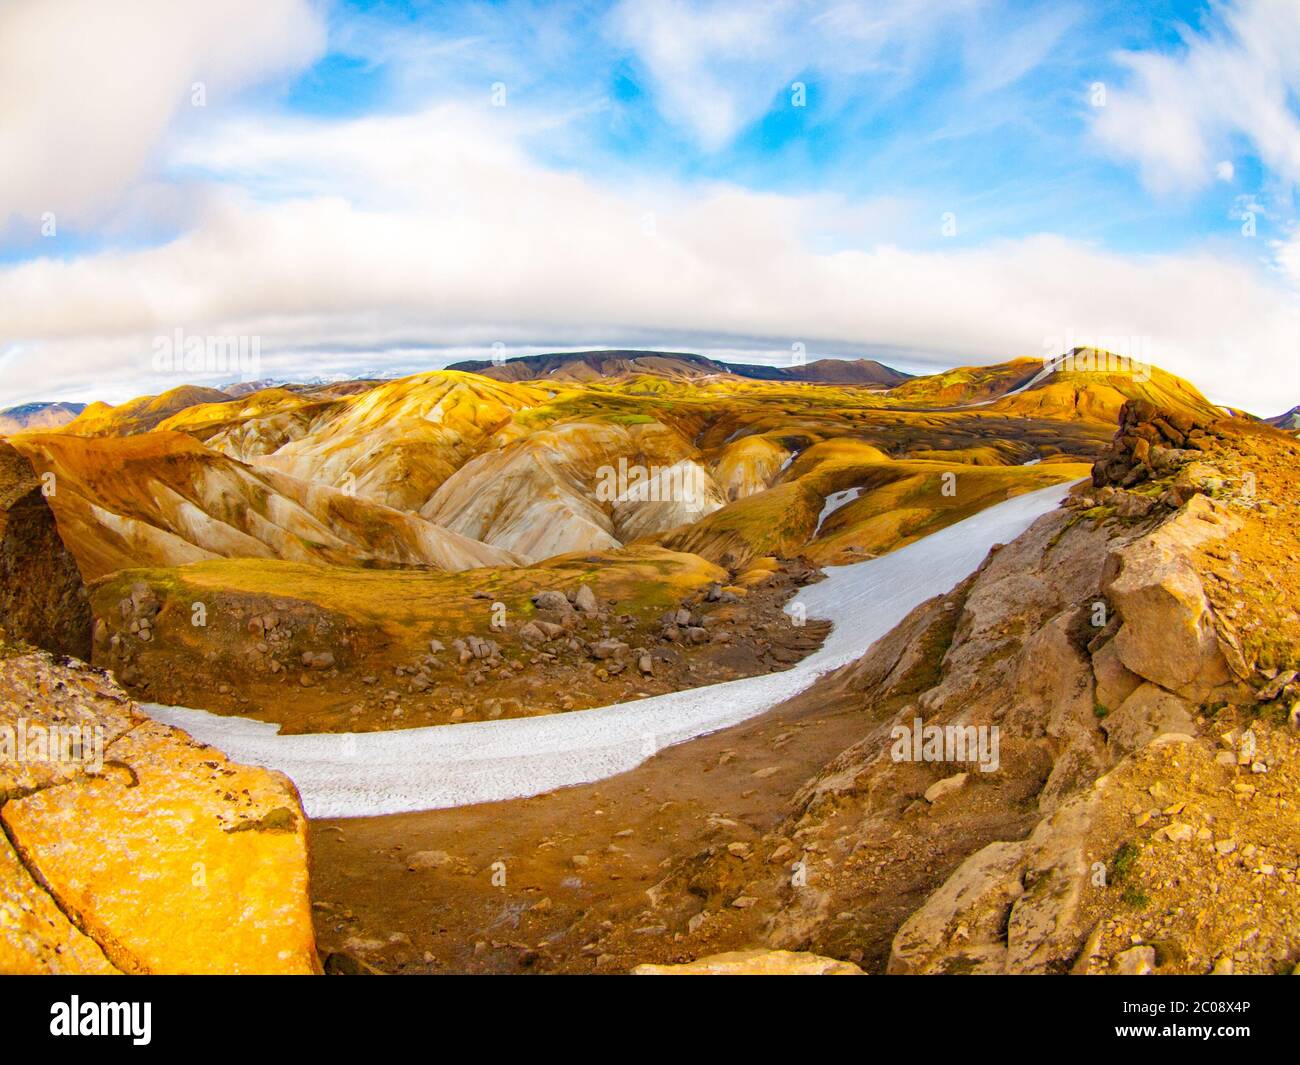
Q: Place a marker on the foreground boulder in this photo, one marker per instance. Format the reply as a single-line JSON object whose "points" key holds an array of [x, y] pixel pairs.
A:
{"points": [[35, 936], [129, 847]]}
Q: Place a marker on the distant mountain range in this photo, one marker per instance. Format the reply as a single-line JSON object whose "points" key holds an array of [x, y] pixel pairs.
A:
{"points": [[235, 389], [1289, 420], [38, 416], [590, 365]]}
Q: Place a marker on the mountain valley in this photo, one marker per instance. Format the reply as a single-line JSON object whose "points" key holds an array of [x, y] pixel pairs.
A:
{"points": [[561, 536]]}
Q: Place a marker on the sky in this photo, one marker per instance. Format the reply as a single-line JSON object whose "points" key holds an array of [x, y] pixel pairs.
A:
{"points": [[384, 186]]}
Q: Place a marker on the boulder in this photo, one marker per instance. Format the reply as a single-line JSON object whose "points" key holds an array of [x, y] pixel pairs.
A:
{"points": [[1114, 681], [1148, 712], [947, 786], [166, 856], [144, 601], [585, 600], [479, 648], [1010, 907], [532, 634], [605, 649], [1167, 634], [1136, 961], [553, 601], [960, 928], [755, 963]]}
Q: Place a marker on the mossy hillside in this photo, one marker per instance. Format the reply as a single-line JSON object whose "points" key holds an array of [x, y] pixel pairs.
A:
{"points": [[903, 502], [410, 607], [778, 522]]}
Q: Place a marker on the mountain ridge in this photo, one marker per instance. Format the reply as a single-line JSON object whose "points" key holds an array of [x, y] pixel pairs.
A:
{"points": [[26, 416], [617, 362]]}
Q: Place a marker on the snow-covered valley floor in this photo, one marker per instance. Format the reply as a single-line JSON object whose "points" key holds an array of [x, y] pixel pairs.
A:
{"points": [[371, 773]]}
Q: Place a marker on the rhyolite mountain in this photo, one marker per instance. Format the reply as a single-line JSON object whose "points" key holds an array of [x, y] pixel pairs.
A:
{"points": [[1289, 420], [678, 366], [38, 416]]}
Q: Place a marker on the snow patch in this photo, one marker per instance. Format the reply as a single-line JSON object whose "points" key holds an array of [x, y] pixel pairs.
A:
{"points": [[833, 503]]}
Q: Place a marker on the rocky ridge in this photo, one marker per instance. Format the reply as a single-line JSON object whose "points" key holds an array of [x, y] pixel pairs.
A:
{"points": [[1140, 814]]}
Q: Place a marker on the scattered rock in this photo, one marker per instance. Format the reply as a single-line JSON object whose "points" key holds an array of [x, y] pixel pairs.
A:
{"points": [[755, 963], [947, 786], [584, 599], [1137, 961], [552, 601]]}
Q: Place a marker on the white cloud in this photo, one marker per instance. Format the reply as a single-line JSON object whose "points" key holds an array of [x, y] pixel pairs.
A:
{"points": [[89, 89], [1225, 171], [716, 66], [437, 229], [1236, 81]]}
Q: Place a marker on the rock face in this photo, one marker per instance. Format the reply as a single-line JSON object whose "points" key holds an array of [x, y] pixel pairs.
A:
{"points": [[128, 847], [42, 598], [580, 486], [1024, 907], [1150, 443], [1135, 872], [755, 963], [1167, 633]]}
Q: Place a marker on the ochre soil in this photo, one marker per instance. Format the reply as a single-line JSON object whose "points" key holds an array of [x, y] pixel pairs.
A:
{"points": [[452, 918]]}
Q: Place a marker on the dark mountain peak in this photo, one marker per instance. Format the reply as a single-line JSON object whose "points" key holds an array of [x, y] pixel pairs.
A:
{"points": [[611, 363], [38, 416], [1289, 420]]}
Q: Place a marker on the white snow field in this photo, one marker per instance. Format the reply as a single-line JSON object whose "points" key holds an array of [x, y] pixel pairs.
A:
{"points": [[372, 773]]}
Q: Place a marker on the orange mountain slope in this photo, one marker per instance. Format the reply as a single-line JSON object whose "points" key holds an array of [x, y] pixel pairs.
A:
{"points": [[139, 415], [163, 499]]}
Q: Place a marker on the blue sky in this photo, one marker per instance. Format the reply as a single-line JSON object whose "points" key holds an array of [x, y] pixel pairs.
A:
{"points": [[924, 128], [397, 184]]}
